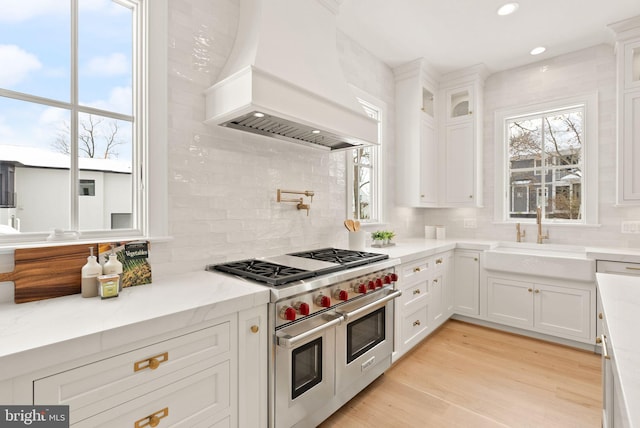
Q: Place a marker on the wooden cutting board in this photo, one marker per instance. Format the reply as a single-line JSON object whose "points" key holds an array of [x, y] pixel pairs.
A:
{"points": [[47, 272]]}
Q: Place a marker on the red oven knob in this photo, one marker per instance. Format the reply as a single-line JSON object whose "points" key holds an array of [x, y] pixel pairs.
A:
{"points": [[302, 308], [371, 285], [394, 277], [287, 313], [362, 289], [387, 279], [323, 301], [378, 282], [341, 294]]}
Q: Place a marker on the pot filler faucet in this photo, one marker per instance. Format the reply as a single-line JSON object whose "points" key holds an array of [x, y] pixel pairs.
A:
{"points": [[539, 222], [299, 201]]}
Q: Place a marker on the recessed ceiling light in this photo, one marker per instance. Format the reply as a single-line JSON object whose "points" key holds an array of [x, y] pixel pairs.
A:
{"points": [[508, 8], [315, 131], [538, 50], [258, 114]]}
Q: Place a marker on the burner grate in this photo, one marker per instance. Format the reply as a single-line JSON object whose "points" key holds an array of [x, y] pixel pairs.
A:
{"points": [[263, 271], [347, 258]]}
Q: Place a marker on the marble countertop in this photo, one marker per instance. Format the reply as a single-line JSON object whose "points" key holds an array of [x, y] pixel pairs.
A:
{"points": [[408, 250], [171, 303], [620, 296]]}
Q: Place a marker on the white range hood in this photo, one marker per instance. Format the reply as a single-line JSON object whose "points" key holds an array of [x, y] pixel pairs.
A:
{"points": [[283, 78]]}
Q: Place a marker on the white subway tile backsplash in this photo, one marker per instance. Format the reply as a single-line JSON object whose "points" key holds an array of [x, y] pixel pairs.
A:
{"points": [[222, 183]]}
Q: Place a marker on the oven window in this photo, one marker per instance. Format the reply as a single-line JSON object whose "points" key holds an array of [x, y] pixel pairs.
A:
{"points": [[365, 333], [306, 367]]}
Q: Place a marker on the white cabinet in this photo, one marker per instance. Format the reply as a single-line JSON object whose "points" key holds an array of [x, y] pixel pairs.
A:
{"points": [[143, 383], [425, 302], [252, 367], [510, 302], [461, 146], [416, 136], [614, 411], [439, 136], [460, 176], [629, 149], [428, 162], [628, 110], [413, 307], [467, 282], [440, 293], [210, 374], [552, 309]]}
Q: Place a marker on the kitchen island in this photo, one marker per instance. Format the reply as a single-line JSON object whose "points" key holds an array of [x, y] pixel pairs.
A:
{"points": [[620, 297]]}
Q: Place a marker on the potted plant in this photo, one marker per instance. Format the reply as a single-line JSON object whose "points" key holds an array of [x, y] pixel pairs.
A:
{"points": [[388, 236], [377, 237], [382, 237]]}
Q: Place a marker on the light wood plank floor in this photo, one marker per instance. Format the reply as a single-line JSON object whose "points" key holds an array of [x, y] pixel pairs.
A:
{"points": [[465, 375]]}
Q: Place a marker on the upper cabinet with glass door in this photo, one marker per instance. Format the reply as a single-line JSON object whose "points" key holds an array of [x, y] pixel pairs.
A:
{"points": [[459, 103], [417, 111]]}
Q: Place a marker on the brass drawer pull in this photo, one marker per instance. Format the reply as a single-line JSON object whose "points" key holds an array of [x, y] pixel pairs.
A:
{"points": [[151, 363], [416, 291], [152, 420], [255, 329], [438, 261], [416, 323], [605, 350], [435, 281], [417, 269]]}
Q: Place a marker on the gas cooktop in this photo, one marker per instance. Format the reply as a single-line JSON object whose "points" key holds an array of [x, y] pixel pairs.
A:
{"points": [[292, 267]]}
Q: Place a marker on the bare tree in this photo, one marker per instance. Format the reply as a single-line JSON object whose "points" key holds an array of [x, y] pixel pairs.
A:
{"points": [[97, 138]]}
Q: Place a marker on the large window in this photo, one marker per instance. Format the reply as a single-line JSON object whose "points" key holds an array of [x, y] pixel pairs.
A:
{"points": [[545, 151], [364, 180], [73, 110]]}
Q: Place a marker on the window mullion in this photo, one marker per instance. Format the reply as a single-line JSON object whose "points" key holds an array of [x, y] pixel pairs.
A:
{"points": [[73, 138], [544, 168]]}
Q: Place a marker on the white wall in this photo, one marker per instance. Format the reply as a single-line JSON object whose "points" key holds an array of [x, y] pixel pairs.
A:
{"points": [[42, 198], [222, 183], [580, 72]]}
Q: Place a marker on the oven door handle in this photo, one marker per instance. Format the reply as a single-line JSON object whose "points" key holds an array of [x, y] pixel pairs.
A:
{"points": [[370, 306], [286, 341]]}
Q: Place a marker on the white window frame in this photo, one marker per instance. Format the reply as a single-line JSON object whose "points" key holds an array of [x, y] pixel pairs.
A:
{"points": [[376, 162], [590, 157], [151, 61]]}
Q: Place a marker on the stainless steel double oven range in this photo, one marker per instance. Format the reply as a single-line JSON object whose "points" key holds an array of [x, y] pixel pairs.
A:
{"points": [[331, 327]]}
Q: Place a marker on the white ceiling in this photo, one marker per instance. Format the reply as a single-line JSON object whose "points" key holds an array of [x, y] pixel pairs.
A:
{"points": [[454, 34]]}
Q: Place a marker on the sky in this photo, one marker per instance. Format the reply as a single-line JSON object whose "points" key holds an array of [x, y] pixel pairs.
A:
{"points": [[35, 59]]}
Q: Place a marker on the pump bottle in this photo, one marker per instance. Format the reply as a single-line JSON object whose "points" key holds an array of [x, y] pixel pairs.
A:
{"points": [[90, 273]]}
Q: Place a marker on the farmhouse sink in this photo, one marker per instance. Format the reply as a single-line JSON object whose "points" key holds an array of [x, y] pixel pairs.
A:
{"points": [[558, 261]]}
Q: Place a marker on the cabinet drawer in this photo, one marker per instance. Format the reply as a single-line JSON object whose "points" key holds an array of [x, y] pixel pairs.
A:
{"points": [[415, 271], [414, 325], [105, 384], [199, 400], [622, 268], [414, 293]]}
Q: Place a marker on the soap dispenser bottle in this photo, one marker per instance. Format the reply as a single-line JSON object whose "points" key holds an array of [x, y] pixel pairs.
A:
{"points": [[90, 273], [113, 265]]}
